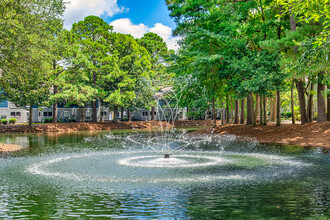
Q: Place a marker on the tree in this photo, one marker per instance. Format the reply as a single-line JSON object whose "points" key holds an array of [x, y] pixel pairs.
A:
{"points": [[124, 83], [26, 28], [92, 34], [159, 55]]}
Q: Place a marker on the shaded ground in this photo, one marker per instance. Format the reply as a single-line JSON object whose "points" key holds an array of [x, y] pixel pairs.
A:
{"points": [[311, 134]]}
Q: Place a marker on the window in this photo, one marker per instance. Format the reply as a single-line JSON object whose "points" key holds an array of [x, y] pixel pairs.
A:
{"points": [[39, 114], [145, 113], [15, 114], [104, 113], [48, 114], [3, 116]]}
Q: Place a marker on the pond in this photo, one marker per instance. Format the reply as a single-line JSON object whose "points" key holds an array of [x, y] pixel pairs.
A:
{"points": [[123, 174]]}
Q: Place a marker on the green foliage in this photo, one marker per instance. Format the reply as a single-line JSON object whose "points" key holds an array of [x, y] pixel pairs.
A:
{"points": [[310, 11], [12, 121], [4, 121], [26, 30], [221, 51], [196, 115], [48, 120]]}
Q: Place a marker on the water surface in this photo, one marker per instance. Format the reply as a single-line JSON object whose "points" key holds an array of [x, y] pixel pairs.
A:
{"points": [[103, 174]]}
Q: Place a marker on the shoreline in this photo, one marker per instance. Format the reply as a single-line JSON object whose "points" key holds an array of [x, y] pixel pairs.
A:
{"points": [[308, 135], [9, 147]]}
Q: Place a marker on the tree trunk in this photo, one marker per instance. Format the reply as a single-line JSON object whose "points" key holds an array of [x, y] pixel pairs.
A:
{"points": [[94, 111], [302, 102], [292, 103], [265, 109], [310, 104], [253, 111], [227, 110], [260, 113], [231, 110], [30, 115], [278, 108], [121, 113], [55, 106], [242, 111], [256, 111], [214, 114], [300, 84], [83, 114], [236, 121], [115, 111], [54, 92], [249, 107], [101, 116], [128, 114], [223, 115], [321, 110], [328, 106], [152, 113], [272, 111]]}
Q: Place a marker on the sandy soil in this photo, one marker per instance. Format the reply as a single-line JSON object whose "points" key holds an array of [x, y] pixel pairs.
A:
{"points": [[311, 134], [9, 147], [77, 126]]}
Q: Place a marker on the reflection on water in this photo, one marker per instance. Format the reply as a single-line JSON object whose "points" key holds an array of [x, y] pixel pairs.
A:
{"points": [[101, 174]]}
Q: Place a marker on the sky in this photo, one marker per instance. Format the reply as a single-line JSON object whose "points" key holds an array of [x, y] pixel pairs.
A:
{"points": [[135, 17]]}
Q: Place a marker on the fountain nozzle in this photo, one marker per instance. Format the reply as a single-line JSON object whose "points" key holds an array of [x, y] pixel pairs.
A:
{"points": [[167, 155]]}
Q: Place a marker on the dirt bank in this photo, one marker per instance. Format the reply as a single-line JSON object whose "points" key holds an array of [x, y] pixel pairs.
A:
{"points": [[9, 147], [77, 126], [311, 134]]}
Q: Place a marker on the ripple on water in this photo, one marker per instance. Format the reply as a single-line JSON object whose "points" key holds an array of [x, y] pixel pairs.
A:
{"points": [[184, 167]]}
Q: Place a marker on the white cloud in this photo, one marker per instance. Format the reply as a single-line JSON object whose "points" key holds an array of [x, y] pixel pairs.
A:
{"points": [[77, 10], [125, 26]]}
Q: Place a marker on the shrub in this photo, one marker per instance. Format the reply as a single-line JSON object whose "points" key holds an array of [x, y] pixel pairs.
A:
{"points": [[195, 115], [124, 119], [286, 114], [72, 120], [48, 120], [12, 120], [4, 121]]}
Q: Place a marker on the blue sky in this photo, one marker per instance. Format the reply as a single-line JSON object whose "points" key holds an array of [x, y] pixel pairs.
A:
{"points": [[135, 17], [148, 12]]}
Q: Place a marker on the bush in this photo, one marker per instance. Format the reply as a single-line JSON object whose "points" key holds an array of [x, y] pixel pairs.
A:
{"points": [[48, 120], [124, 119], [195, 115], [12, 120], [72, 120], [286, 114], [4, 121]]}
